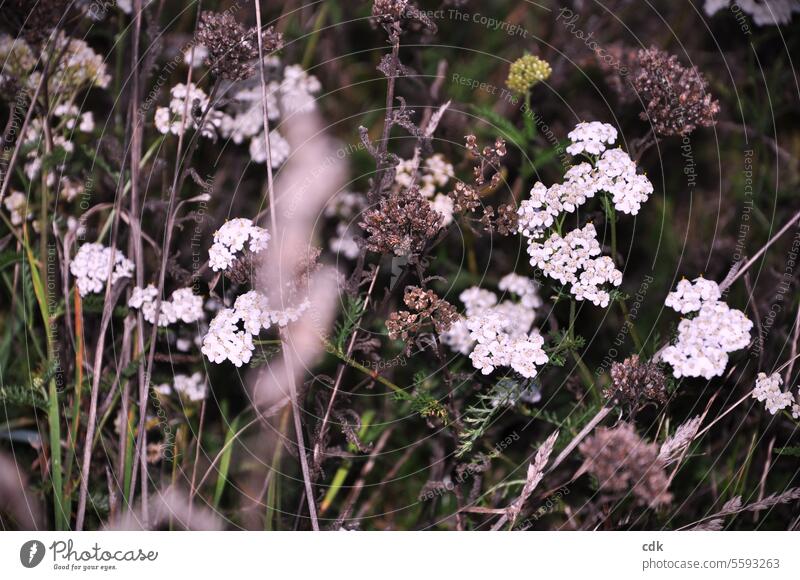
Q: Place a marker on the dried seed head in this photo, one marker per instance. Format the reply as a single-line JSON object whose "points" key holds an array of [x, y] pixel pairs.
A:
{"points": [[676, 98], [635, 382], [622, 462], [426, 307], [232, 49], [402, 224], [33, 21]]}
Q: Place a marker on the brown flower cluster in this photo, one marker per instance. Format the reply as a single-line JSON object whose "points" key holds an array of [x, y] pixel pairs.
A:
{"points": [[402, 224], [34, 21], [467, 197], [232, 49], [636, 382], [425, 307], [487, 174], [676, 98], [624, 463]]}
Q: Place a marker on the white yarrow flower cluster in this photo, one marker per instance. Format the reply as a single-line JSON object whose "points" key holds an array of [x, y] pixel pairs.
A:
{"points": [[16, 203], [242, 119], [764, 12], [768, 390], [183, 305], [591, 138], [346, 206], [279, 148], [171, 120], [703, 343], [690, 296], [90, 267], [192, 387], [573, 260], [500, 334], [525, 288], [231, 332], [230, 240]]}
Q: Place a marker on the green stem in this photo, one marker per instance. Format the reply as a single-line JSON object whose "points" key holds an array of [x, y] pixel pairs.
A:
{"points": [[359, 367]]}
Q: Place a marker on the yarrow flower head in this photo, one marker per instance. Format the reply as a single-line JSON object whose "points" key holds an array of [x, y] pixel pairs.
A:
{"points": [[183, 305], [92, 265], [526, 71], [690, 296], [234, 245], [231, 332], [171, 120], [192, 387], [764, 12], [768, 390], [574, 260], [703, 343], [591, 138], [16, 204], [500, 334]]}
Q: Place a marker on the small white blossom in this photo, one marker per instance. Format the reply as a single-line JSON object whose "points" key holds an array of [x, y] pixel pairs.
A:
{"points": [[768, 390], [279, 148], [690, 296], [16, 203], [231, 239], [703, 343], [591, 138], [90, 267]]}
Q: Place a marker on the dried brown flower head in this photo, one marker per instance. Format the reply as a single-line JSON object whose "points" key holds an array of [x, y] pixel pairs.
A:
{"points": [[232, 49], [34, 21], [402, 224], [427, 308], [387, 11], [636, 382], [676, 98], [624, 463], [391, 13]]}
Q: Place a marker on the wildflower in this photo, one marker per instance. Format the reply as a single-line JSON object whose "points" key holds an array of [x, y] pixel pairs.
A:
{"points": [[622, 463], [523, 287], [572, 260], [764, 12], [92, 265], [232, 48], [500, 334], [234, 245], [16, 203], [183, 305], [676, 98], [231, 332], [80, 67], [279, 148], [768, 390], [690, 296], [171, 120], [192, 387], [389, 11], [345, 242], [526, 71], [634, 381], [297, 89], [703, 343], [591, 138]]}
